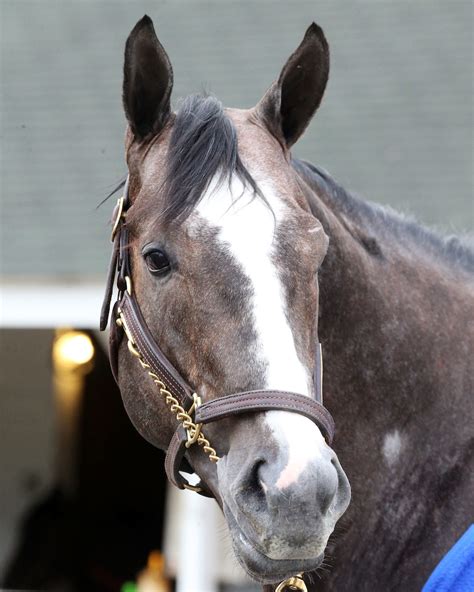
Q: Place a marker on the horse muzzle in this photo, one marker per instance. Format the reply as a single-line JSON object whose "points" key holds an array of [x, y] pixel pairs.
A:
{"points": [[280, 519]]}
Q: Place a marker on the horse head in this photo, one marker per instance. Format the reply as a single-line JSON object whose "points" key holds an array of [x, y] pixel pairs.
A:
{"points": [[224, 254]]}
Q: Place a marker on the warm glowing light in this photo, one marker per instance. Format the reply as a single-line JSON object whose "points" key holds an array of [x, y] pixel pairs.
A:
{"points": [[73, 348], [156, 561]]}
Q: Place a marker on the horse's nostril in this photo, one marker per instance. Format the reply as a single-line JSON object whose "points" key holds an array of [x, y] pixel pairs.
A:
{"points": [[257, 475], [250, 495], [256, 483], [326, 497]]}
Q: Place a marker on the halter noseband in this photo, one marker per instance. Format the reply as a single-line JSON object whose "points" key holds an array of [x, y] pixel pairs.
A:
{"points": [[181, 399]]}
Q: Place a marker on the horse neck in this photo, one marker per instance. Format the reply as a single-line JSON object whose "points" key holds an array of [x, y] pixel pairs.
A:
{"points": [[395, 329]]}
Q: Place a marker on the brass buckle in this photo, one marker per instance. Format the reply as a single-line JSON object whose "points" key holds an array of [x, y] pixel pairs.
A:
{"points": [[194, 431], [192, 487], [295, 584], [122, 323], [132, 349], [118, 217], [130, 342]]}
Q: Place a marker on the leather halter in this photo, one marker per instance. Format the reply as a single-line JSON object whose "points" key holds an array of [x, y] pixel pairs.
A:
{"points": [[127, 319]]}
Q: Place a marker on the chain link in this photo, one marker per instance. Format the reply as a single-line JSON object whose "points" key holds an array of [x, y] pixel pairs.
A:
{"points": [[193, 430]]}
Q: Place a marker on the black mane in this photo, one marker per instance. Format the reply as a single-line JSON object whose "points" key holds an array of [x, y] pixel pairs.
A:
{"points": [[454, 250], [203, 144]]}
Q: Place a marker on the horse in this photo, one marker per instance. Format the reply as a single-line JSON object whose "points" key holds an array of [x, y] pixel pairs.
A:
{"points": [[234, 260]]}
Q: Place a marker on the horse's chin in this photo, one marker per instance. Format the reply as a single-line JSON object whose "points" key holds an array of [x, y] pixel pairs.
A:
{"points": [[259, 566]]}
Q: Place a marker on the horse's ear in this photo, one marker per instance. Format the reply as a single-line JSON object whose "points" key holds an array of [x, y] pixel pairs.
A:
{"points": [[290, 103], [147, 80]]}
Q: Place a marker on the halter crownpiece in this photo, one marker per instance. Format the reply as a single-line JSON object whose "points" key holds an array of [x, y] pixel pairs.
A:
{"points": [[191, 414]]}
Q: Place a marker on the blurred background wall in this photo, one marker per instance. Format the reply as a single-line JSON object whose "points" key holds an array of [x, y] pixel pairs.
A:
{"points": [[395, 126]]}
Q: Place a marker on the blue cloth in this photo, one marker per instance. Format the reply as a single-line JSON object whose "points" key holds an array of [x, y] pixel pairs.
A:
{"points": [[455, 572]]}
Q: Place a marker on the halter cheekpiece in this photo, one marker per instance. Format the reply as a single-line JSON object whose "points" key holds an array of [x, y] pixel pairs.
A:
{"points": [[183, 402]]}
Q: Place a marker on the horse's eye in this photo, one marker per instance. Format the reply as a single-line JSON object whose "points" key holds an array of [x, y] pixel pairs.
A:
{"points": [[157, 262]]}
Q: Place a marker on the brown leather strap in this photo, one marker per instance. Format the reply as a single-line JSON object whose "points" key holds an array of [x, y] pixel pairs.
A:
{"points": [[251, 401], [109, 285], [174, 457], [115, 337], [117, 253], [152, 354], [263, 401], [175, 462]]}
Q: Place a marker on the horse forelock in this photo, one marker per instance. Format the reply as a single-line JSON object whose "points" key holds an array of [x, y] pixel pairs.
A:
{"points": [[198, 145], [203, 147]]}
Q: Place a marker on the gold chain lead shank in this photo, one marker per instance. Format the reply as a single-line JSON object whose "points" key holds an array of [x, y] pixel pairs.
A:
{"points": [[193, 430]]}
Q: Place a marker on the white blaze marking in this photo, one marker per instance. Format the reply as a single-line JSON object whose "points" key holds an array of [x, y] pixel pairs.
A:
{"points": [[305, 443], [247, 227], [392, 446]]}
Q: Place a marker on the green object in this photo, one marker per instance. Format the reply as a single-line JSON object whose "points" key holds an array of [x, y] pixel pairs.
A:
{"points": [[129, 587]]}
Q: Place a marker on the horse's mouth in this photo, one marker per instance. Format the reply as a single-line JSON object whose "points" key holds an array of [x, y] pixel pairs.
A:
{"points": [[261, 568]]}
